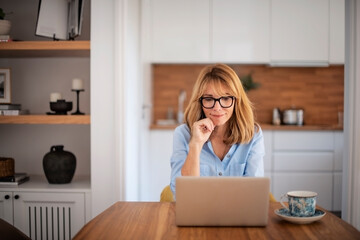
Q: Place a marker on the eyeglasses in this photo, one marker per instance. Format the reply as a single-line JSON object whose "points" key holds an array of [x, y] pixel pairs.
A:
{"points": [[209, 102]]}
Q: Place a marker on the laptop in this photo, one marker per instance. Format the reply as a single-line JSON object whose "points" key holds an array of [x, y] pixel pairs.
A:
{"points": [[222, 201]]}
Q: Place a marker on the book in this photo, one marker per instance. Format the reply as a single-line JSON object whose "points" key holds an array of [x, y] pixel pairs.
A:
{"points": [[10, 106], [17, 179], [14, 112], [5, 38]]}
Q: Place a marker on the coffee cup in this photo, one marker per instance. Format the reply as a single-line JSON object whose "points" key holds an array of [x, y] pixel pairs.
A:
{"points": [[301, 203]]}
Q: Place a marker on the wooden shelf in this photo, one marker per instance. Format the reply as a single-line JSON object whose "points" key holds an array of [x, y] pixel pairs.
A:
{"points": [[45, 49], [45, 119]]}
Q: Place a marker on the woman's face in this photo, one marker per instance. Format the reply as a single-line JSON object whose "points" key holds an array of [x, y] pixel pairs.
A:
{"points": [[218, 114]]}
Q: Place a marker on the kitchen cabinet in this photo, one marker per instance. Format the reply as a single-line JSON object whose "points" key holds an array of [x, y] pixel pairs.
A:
{"points": [[43, 214], [158, 170], [209, 31], [279, 32], [306, 161], [180, 31], [240, 31], [299, 31]]}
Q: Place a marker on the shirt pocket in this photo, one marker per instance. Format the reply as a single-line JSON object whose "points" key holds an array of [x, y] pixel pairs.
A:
{"points": [[237, 169]]}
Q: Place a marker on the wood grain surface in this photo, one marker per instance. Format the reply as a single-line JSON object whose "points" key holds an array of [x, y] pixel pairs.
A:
{"points": [[45, 119], [155, 220], [318, 90]]}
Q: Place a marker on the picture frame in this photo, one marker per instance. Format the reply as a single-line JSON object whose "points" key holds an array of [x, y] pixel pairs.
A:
{"points": [[5, 85]]}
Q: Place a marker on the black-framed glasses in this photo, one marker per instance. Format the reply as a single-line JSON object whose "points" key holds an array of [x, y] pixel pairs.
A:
{"points": [[209, 102]]}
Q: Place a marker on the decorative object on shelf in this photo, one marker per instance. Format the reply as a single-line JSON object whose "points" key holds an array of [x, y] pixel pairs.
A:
{"points": [[248, 83], [55, 96], [60, 107], [5, 85], [77, 86], [60, 19], [59, 165], [5, 25], [7, 167]]}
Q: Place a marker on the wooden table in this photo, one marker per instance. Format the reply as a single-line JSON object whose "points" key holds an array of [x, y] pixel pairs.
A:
{"points": [[155, 220]]}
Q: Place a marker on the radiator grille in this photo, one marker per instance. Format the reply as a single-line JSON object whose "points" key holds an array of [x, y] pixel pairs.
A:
{"points": [[49, 222]]}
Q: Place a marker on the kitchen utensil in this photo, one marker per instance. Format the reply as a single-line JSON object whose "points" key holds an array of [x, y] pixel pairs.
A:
{"points": [[293, 116]]}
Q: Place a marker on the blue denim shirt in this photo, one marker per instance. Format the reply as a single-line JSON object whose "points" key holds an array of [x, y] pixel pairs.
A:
{"points": [[241, 160]]}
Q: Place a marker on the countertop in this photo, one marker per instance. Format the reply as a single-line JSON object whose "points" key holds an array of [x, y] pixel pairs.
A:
{"points": [[268, 126]]}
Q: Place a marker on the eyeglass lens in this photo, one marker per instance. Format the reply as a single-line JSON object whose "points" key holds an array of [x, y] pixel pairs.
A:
{"points": [[209, 102]]}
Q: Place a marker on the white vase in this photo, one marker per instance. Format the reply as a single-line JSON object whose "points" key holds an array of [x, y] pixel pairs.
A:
{"points": [[5, 26]]}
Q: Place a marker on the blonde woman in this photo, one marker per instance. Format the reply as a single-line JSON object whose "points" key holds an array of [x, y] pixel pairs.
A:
{"points": [[220, 137]]}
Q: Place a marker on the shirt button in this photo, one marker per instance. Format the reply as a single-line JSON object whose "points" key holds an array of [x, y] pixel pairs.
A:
{"points": [[220, 173], [228, 156]]}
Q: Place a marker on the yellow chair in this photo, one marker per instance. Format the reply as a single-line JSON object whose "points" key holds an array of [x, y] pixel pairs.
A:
{"points": [[167, 196]]}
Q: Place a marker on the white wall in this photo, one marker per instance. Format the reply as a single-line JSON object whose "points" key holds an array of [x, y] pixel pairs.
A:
{"points": [[351, 168], [115, 102], [104, 167]]}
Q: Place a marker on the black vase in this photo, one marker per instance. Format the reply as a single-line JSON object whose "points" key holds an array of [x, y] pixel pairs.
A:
{"points": [[59, 165]]}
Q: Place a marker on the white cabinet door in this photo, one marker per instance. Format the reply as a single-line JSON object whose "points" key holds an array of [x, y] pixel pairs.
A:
{"points": [[241, 31], [49, 215], [6, 206], [337, 195], [268, 150], [337, 31], [303, 161], [180, 31], [299, 31], [158, 170], [322, 183], [304, 140]]}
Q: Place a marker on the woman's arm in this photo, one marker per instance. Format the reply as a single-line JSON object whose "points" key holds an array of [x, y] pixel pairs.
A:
{"points": [[200, 133]]}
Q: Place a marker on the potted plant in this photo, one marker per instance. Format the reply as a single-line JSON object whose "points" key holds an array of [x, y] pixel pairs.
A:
{"points": [[5, 25], [248, 83]]}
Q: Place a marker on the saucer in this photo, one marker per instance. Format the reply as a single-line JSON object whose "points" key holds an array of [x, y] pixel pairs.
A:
{"points": [[284, 214]]}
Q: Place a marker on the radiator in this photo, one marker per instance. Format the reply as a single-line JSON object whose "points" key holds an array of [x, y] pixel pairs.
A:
{"points": [[49, 222]]}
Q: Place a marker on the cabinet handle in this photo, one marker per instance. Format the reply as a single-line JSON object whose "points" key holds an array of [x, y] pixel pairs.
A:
{"points": [[7, 196], [16, 196]]}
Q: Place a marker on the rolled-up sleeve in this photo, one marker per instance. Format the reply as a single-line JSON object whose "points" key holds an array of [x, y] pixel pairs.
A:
{"points": [[180, 151], [255, 161]]}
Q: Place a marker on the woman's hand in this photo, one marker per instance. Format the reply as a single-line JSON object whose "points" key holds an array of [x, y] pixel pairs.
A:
{"points": [[201, 131]]}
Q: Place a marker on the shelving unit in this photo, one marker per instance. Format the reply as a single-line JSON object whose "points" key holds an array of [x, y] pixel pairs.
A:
{"points": [[45, 49], [45, 119]]}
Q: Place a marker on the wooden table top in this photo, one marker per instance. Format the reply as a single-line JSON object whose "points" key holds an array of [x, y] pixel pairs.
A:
{"points": [[156, 220]]}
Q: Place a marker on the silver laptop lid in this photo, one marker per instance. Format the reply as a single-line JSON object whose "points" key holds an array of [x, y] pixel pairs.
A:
{"points": [[222, 201]]}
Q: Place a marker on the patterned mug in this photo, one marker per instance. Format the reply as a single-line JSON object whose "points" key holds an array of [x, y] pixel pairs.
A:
{"points": [[301, 203]]}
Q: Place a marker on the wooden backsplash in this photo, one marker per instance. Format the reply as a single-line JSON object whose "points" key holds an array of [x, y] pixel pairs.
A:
{"points": [[318, 90]]}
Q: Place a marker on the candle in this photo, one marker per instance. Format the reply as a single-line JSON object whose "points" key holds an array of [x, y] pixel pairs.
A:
{"points": [[55, 96], [77, 84]]}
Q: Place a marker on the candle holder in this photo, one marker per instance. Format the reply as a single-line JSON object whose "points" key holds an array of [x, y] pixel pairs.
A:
{"points": [[77, 102]]}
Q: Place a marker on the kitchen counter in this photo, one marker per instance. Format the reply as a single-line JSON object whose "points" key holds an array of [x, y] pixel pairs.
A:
{"points": [[268, 126]]}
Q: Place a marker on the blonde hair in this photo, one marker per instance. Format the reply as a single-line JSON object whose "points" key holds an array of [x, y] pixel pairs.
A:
{"points": [[241, 125]]}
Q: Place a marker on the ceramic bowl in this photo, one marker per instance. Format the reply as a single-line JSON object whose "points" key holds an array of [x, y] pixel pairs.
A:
{"points": [[61, 106]]}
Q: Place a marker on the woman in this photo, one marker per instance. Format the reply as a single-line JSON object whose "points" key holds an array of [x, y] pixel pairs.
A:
{"points": [[220, 137]]}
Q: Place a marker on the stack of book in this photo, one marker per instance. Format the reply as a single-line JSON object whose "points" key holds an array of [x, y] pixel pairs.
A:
{"points": [[12, 109], [15, 180], [5, 38]]}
